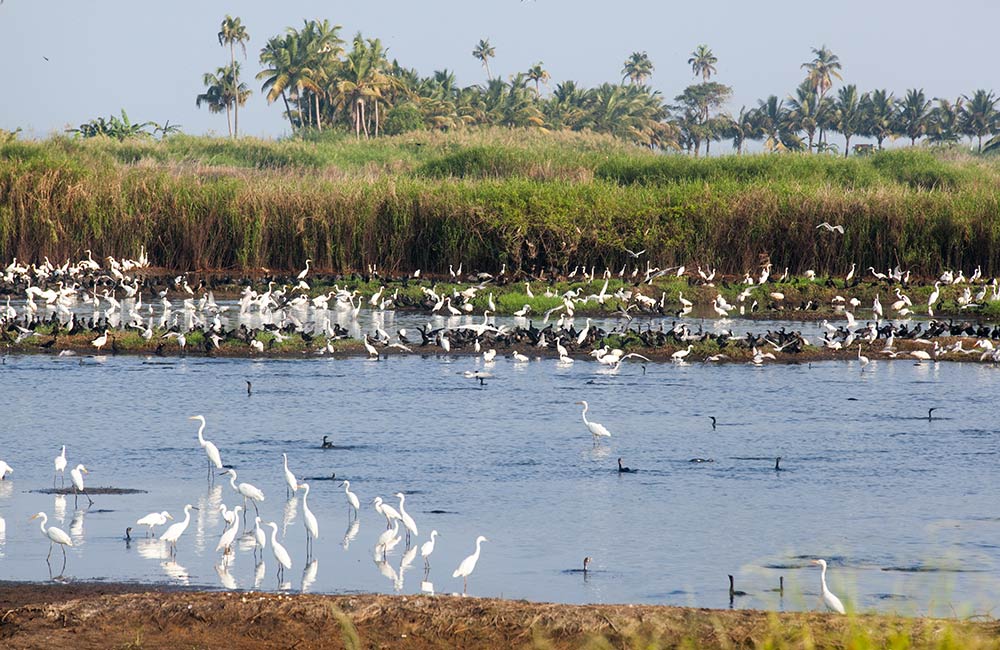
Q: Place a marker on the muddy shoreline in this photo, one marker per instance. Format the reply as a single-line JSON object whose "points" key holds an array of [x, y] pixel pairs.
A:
{"points": [[96, 615]]}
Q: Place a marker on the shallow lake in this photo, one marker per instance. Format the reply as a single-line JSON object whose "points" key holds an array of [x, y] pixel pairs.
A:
{"points": [[904, 508]]}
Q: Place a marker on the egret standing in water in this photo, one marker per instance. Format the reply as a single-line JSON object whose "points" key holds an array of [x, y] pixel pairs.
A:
{"points": [[60, 464], [229, 536], [426, 549], [596, 429], [55, 535], [280, 554], [411, 526], [468, 565], [76, 474], [351, 499], [312, 526], [248, 491], [829, 599], [174, 532], [153, 519], [214, 458], [290, 480]]}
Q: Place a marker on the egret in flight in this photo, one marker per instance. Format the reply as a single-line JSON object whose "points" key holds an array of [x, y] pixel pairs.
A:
{"points": [[597, 430], [829, 599], [468, 565]]}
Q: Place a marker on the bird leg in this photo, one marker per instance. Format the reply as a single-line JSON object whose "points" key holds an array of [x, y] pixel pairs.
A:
{"points": [[50, 553], [465, 584], [63, 569]]}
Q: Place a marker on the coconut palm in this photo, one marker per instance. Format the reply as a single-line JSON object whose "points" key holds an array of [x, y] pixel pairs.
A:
{"points": [[231, 32], [223, 92], [703, 62], [821, 71], [978, 116], [538, 74], [804, 112], [637, 68], [848, 114], [913, 115], [945, 126], [741, 128], [283, 61], [484, 52], [772, 120], [879, 115]]}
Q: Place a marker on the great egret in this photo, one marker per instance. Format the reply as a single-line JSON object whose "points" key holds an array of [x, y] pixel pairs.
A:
{"points": [[260, 538], [427, 548], [312, 526], [214, 458], [247, 490], [154, 519], [55, 535], [829, 599], [229, 536], [280, 554], [290, 481], [411, 526], [468, 565], [76, 474], [60, 464], [862, 358], [174, 532], [596, 429], [351, 498], [681, 354], [386, 511], [933, 298]]}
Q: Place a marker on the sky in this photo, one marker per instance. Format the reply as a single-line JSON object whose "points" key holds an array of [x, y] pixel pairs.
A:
{"points": [[149, 57]]}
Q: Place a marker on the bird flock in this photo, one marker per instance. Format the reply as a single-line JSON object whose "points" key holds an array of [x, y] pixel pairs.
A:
{"points": [[237, 529]]}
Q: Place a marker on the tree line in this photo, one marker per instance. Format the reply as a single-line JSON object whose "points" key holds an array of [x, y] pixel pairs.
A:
{"points": [[324, 82]]}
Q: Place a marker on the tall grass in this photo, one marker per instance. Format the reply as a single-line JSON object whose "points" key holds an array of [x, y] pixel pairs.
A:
{"points": [[548, 202]]}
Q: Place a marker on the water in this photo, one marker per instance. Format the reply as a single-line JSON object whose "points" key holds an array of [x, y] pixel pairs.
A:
{"points": [[868, 482]]}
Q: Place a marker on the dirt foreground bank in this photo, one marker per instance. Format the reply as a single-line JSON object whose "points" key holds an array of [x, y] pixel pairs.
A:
{"points": [[124, 616]]}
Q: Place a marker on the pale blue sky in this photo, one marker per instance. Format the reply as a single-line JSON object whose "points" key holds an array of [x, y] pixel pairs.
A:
{"points": [[148, 57]]}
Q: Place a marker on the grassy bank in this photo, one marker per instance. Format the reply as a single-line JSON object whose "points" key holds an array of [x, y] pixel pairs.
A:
{"points": [[529, 200], [81, 616]]}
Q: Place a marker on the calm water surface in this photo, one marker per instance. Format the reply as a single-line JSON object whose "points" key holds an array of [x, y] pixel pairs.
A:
{"points": [[904, 508]]}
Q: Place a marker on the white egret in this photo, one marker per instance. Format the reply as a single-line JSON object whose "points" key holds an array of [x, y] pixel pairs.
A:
{"points": [[260, 538], [351, 498], [468, 565], [60, 464], [280, 554], [862, 358], [290, 481], [5, 469], [55, 535], [427, 548], [174, 532], [411, 526], [76, 475], [933, 298], [829, 599], [247, 490], [214, 458], [386, 511], [596, 429], [154, 519], [681, 354], [312, 526], [229, 536]]}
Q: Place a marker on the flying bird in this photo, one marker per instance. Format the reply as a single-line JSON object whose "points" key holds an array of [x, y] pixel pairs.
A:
{"points": [[839, 229]]}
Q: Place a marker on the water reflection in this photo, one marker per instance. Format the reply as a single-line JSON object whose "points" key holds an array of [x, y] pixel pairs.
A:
{"points": [[76, 527], [352, 532], [259, 573], [309, 575], [176, 572], [291, 506], [59, 508], [226, 578]]}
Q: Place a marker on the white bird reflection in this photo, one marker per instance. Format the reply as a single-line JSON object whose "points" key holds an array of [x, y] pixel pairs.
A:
{"points": [[386, 570], [352, 532], [59, 508], [208, 516], [176, 572], [6, 488], [152, 549], [404, 564], [309, 575], [3, 535], [258, 575], [289, 515], [226, 578], [76, 527]]}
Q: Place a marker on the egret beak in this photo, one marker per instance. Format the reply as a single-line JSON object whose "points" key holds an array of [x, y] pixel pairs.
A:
{"points": [[193, 508], [169, 516], [816, 562], [85, 470], [33, 517]]}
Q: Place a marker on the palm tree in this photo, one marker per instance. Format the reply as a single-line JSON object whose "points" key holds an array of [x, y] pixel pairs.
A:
{"points": [[772, 120], [214, 96], [484, 52], [821, 70], [538, 74], [742, 128], [803, 112], [849, 114], [913, 115], [945, 121], [879, 115], [637, 68], [281, 55], [978, 116], [703, 62], [232, 32]]}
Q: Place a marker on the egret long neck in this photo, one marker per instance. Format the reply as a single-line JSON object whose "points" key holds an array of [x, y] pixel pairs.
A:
{"points": [[201, 430], [822, 579], [44, 520]]}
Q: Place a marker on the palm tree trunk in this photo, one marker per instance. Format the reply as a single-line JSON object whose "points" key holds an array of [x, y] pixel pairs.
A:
{"points": [[980, 144], [236, 89], [319, 124], [288, 111], [847, 145], [364, 124], [487, 64], [356, 109], [229, 120], [376, 122]]}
